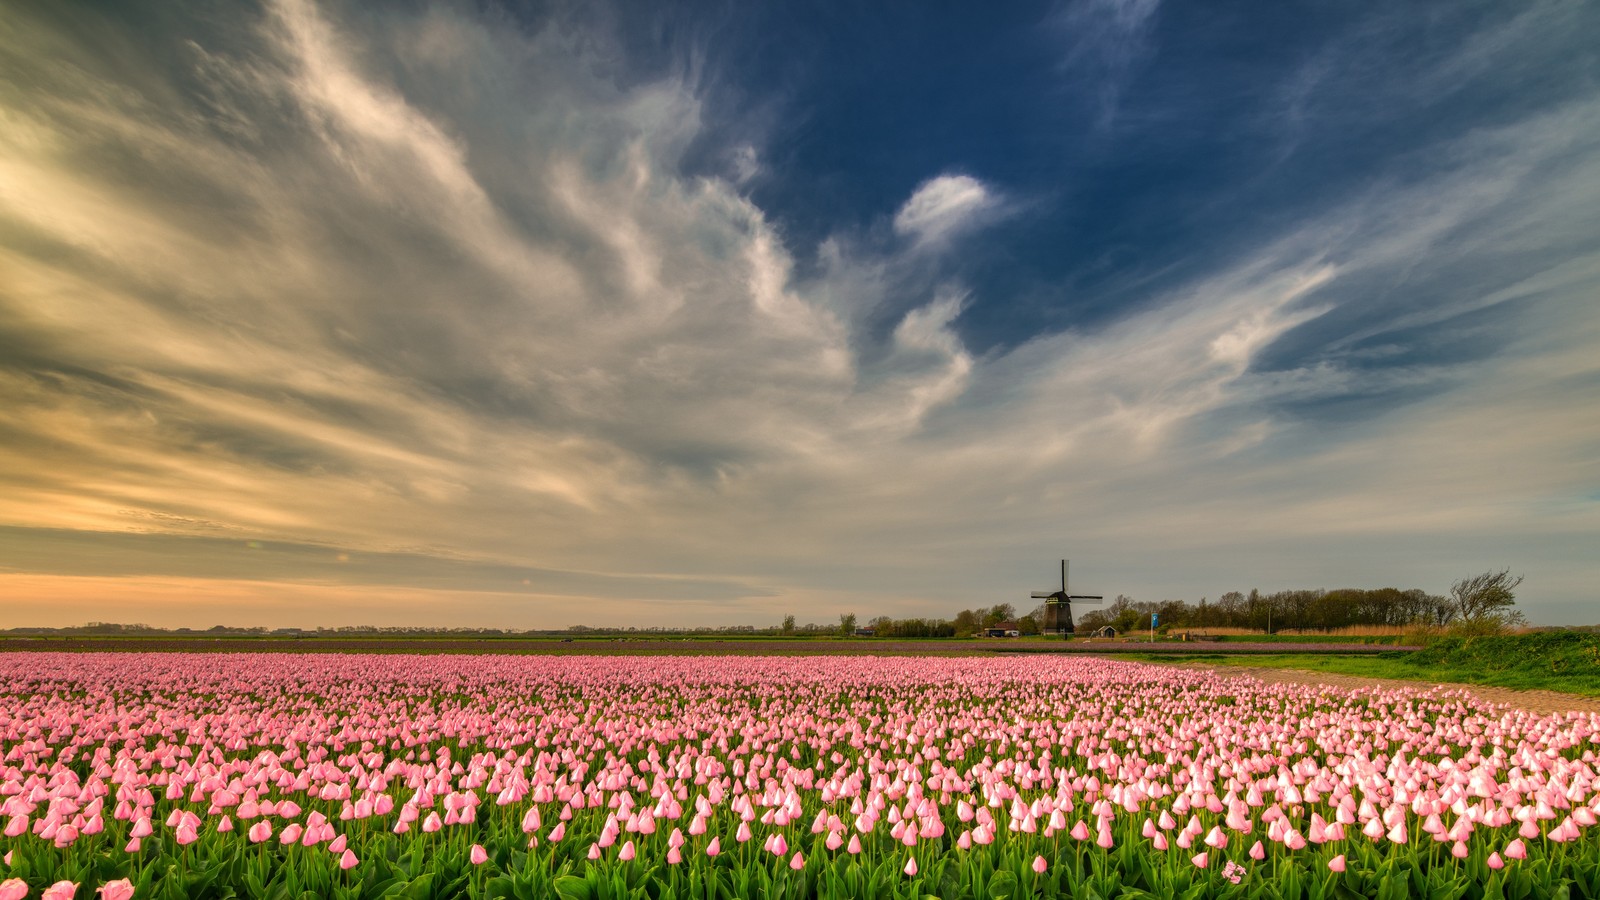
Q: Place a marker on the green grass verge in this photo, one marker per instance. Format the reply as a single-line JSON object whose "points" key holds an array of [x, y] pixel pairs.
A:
{"points": [[1550, 661]]}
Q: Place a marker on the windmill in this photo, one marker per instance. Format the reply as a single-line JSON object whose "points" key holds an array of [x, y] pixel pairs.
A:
{"points": [[1058, 605]]}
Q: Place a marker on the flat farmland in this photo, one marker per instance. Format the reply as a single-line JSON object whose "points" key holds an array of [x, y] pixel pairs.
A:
{"points": [[494, 646], [664, 646], [352, 776]]}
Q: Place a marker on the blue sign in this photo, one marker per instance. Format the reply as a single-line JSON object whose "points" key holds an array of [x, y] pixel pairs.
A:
{"points": [[1154, 619]]}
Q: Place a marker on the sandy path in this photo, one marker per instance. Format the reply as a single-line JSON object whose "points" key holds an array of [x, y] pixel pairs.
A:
{"points": [[1534, 701]]}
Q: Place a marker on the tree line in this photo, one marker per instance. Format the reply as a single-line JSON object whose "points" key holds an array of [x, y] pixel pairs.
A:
{"points": [[1480, 603], [1293, 609]]}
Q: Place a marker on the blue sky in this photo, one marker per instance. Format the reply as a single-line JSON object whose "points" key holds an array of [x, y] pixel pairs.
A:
{"points": [[321, 313]]}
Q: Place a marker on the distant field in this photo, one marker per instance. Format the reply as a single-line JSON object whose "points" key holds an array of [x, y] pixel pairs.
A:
{"points": [[499, 646], [736, 646], [1258, 638], [1218, 648]]}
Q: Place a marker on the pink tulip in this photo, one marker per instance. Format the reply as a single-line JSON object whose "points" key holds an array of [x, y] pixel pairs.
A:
{"points": [[715, 847], [1495, 862], [478, 856], [1336, 864], [121, 889], [797, 862], [348, 860], [584, 735], [911, 867], [61, 890], [1039, 865], [1200, 860], [13, 888]]}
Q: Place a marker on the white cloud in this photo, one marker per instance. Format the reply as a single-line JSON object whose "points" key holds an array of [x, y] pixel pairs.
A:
{"points": [[942, 207], [412, 306]]}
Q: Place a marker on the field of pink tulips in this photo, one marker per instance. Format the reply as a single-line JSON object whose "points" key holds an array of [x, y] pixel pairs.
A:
{"points": [[605, 778]]}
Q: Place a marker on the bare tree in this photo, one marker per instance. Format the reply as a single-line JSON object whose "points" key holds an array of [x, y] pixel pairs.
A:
{"points": [[1486, 599], [847, 624]]}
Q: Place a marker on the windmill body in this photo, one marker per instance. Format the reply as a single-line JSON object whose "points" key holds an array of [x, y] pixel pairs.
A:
{"points": [[1058, 605]]}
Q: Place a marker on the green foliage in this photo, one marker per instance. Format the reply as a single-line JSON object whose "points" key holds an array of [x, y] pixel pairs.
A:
{"points": [[1555, 660], [1541, 655], [219, 868]]}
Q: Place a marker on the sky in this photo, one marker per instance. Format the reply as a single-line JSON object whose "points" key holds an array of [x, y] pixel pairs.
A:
{"points": [[532, 315]]}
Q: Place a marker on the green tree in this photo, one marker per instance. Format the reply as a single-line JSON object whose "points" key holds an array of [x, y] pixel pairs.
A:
{"points": [[968, 622], [1483, 602], [788, 624], [1128, 620], [1000, 612], [847, 624], [1028, 625]]}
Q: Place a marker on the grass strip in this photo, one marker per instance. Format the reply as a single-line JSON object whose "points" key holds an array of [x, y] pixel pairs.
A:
{"points": [[1550, 661]]}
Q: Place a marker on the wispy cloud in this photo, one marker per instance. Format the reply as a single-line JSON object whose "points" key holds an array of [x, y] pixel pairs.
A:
{"points": [[353, 286], [942, 207], [1103, 41]]}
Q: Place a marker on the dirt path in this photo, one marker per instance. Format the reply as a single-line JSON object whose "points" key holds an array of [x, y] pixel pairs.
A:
{"points": [[1534, 701]]}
